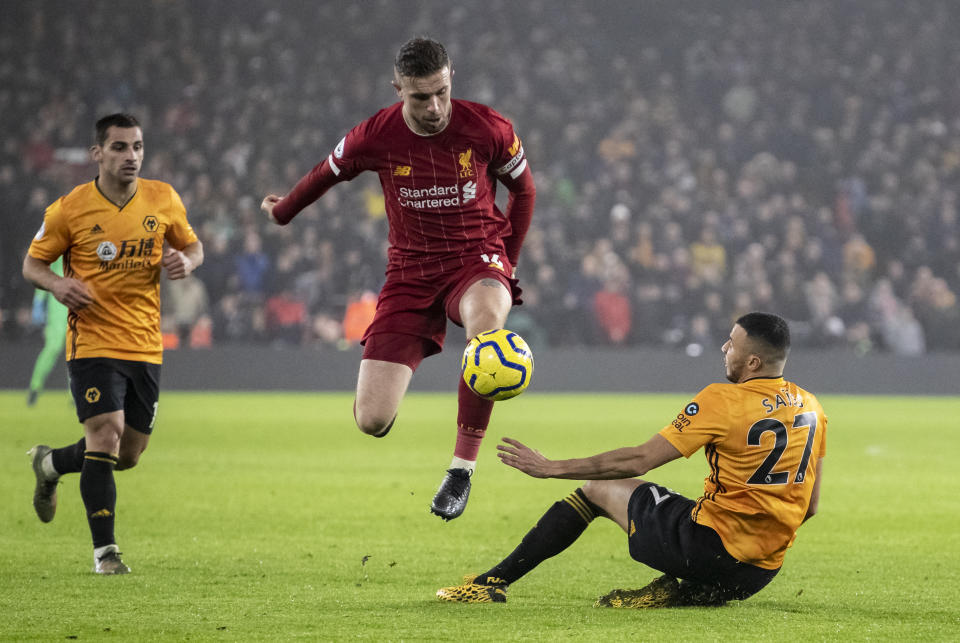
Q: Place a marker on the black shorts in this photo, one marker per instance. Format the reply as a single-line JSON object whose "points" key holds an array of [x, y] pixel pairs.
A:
{"points": [[102, 385], [665, 538]]}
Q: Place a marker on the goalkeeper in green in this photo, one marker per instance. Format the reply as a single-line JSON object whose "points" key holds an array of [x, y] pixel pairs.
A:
{"points": [[53, 315]]}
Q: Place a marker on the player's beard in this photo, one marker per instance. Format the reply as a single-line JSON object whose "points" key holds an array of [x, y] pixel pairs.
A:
{"points": [[731, 371], [435, 126]]}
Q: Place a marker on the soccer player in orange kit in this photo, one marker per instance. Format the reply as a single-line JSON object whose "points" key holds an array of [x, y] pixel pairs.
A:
{"points": [[764, 439], [116, 235]]}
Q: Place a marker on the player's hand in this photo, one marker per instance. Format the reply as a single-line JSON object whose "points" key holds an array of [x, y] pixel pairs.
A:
{"points": [[519, 456], [72, 293], [177, 264], [267, 205]]}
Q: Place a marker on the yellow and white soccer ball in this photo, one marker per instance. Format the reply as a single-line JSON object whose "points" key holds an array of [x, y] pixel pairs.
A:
{"points": [[497, 364]]}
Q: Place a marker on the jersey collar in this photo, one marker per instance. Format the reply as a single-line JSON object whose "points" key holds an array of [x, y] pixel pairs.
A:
{"points": [[96, 184], [763, 377]]}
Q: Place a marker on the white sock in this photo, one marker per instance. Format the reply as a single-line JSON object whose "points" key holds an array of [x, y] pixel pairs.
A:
{"points": [[460, 463], [100, 552], [46, 465]]}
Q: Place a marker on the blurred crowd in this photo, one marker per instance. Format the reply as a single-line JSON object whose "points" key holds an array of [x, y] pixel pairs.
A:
{"points": [[693, 161]]}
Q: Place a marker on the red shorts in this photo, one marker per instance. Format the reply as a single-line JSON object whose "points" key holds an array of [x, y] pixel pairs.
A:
{"points": [[419, 308]]}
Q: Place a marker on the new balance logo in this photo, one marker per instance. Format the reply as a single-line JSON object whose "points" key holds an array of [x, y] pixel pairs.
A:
{"points": [[96, 229], [402, 170], [469, 191], [103, 513]]}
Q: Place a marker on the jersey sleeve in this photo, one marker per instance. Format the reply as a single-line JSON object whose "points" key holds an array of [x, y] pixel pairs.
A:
{"points": [[53, 237], [701, 421], [509, 165], [180, 233], [509, 160], [345, 162], [348, 158]]}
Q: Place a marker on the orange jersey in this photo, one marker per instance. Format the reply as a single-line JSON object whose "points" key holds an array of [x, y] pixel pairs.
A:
{"points": [[117, 253], [762, 439]]}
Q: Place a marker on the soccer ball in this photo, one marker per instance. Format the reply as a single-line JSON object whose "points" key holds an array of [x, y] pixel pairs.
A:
{"points": [[497, 364]]}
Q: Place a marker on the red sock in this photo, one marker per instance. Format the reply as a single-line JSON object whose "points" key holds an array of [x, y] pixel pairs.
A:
{"points": [[473, 416]]}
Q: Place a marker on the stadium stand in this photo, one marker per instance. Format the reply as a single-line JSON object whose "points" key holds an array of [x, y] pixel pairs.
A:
{"points": [[693, 161]]}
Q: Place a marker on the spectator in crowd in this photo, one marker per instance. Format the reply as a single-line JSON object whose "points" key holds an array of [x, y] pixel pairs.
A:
{"points": [[184, 303], [708, 257], [752, 132], [252, 266], [936, 309]]}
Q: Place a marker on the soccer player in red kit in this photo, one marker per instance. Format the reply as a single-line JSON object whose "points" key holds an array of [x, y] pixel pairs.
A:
{"points": [[452, 251]]}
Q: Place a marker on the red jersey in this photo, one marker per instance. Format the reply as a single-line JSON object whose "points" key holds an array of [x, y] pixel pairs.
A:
{"points": [[439, 190]]}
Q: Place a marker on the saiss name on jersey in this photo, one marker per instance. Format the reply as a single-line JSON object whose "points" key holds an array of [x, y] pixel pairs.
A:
{"points": [[439, 190], [117, 253], [762, 439]]}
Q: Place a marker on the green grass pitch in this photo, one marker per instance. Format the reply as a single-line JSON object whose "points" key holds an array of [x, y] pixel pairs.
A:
{"points": [[269, 516]]}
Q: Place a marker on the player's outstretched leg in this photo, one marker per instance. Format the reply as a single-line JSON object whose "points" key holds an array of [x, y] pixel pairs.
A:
{"points": [[556, 530], [473, 416], [45, 491]]}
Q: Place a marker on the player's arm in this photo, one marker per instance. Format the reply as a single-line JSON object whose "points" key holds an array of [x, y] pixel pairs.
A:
{"points": [[70, 292], [523, 195], [626, 462], [815, 494], [509, 165], [311, 187], [180, 263], [282, 209], [350, 157]]}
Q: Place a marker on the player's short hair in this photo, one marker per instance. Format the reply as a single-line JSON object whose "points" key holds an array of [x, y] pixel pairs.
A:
{"points": [[114, 120], [770, 330], [420, 57]]}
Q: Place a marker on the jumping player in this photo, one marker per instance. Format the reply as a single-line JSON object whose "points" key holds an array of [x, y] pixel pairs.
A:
{"points": [[116, 235], [452, 251], [764, 439]]}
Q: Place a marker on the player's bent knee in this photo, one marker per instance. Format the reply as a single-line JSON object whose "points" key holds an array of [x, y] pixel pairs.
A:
{"points": [[370, 428], [594, 491], [610, 495], [128, 457], [371, 424], [127, 462], [104, 440]]}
